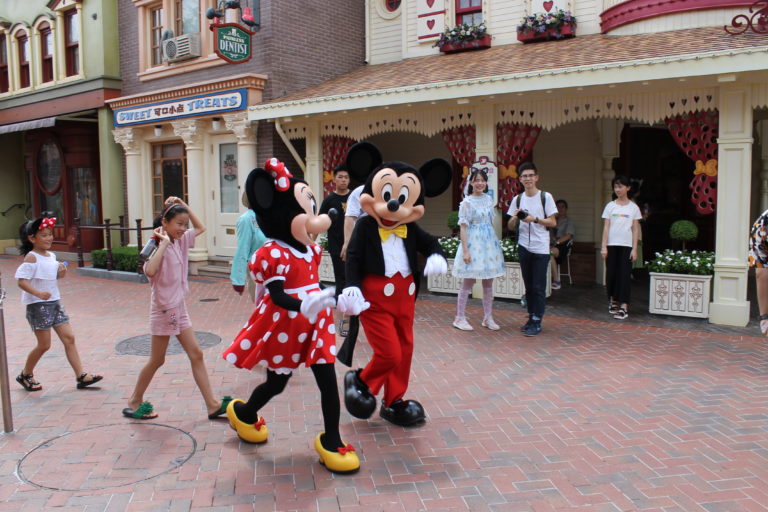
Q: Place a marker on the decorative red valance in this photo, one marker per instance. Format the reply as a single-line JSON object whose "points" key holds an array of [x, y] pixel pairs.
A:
{"points": [[460, 141], [514, 145], [335, 149]]}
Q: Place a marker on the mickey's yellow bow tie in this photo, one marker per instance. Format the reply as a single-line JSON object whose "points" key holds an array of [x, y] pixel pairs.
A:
{"points": [[401, 231]]}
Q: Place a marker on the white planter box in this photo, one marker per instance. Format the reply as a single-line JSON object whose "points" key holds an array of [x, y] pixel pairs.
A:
{"points": [[679, 294], [326, 269], [508, 286]]}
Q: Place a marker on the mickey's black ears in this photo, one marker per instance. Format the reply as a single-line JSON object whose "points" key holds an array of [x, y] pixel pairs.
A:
{"points": [[260, 188], [436, 174], [362, 158]]}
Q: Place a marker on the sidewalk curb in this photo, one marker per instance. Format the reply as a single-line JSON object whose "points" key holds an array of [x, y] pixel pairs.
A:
{"points": [[112, 275]]}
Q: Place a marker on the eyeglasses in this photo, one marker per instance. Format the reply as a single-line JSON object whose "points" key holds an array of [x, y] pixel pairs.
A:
{"points": [[523, 176]]}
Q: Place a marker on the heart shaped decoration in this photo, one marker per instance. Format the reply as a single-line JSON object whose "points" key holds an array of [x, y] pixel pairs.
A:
{"points": [[430, 3], [430, 24], [548, 5]]}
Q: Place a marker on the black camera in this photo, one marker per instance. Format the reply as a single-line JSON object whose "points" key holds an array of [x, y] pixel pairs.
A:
{"points": [[522, 214]]}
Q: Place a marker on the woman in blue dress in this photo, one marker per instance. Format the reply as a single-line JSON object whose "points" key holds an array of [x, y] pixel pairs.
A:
{"points": [[479, 255]]}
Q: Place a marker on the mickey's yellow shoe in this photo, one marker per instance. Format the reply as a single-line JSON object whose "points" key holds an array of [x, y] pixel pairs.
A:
{"points": [[343, 461], [255, 433]]}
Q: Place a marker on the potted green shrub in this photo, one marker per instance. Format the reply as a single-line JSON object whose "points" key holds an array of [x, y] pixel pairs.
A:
{"points": [[683, 231], [452, 221]]}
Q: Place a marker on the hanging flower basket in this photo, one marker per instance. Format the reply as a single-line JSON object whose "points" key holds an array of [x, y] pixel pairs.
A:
{"points": [[532, 36], [461, 46]]}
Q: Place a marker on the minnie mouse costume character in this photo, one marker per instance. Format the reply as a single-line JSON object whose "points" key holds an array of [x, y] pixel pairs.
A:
{"points": [[292, 321], [382, 270]]}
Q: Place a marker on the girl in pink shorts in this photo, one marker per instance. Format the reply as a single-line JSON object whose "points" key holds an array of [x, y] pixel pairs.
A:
{"points": [[167, 272]]}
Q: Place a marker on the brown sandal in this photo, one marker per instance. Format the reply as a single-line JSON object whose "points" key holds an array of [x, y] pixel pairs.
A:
{"points": [[28, 382]]}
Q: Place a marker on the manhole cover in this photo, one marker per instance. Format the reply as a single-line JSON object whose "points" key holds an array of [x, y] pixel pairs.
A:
{"points": [[140, 345], [106, 456]]}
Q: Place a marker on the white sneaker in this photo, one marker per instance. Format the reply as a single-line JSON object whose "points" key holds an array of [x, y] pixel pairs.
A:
{"points": [[490, 324], [461, 323], [556, 285]]}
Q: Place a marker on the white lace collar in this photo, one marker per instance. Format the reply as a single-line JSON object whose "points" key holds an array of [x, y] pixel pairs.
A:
{"points": [[304, 256]]}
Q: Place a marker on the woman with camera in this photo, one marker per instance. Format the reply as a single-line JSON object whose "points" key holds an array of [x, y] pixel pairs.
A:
{"points": [[479, 255]]}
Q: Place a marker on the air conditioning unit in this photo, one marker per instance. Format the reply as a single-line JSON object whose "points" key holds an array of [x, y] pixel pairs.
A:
{"points": [[183, 47]]}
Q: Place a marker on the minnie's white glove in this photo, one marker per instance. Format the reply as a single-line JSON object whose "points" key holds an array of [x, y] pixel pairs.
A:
{"points": [[436, 264], [351, 301], [316, 302]]}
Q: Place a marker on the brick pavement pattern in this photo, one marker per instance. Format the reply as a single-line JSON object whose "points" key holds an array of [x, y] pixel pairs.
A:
{"points": [[589, 415]]}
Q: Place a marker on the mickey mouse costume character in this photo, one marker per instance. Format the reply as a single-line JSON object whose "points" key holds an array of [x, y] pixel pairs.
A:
{"points": [[292, 321], [382, 270]]}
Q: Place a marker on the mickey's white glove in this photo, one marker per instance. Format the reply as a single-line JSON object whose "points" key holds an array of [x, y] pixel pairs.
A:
{"points": [[351, 301], [316, 302], [436, 264]]}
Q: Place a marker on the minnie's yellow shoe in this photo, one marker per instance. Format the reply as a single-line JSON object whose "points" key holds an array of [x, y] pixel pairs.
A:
{"points": [[255, 433], [343, 461]]}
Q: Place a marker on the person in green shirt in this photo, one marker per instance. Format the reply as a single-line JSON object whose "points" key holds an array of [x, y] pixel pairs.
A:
{"points": [[249, 239]]}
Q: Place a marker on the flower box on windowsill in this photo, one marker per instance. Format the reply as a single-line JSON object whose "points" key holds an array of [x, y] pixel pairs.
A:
{"points": [[473, 44], [531, 36], [679, 294]]}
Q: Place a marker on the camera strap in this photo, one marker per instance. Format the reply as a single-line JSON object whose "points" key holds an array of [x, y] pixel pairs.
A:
{"points": [[543, 209]]}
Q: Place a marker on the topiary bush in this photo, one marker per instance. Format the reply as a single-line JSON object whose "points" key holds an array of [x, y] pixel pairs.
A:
{"points": [[452, 221], [684, 231], [123, 258]]}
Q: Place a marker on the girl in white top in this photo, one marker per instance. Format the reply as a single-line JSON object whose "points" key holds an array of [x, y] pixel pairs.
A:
{"points": [[621, 229], [37, 277]]}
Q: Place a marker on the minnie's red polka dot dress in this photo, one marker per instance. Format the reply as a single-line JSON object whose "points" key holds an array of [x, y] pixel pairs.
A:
{"points": [[275, 337]]}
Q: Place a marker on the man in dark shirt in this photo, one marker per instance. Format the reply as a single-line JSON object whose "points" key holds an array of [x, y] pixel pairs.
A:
{"points": [[337, 200]]}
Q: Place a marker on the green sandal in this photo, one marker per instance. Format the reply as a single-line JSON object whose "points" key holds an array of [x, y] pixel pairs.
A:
{"points": [[145, 411], [222, 410]]}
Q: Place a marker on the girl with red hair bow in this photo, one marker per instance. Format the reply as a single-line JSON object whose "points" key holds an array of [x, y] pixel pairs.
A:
{"points": [[37, 277]]}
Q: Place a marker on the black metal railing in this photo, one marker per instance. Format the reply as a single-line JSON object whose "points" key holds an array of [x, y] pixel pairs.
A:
{"points": [[107, 228]]}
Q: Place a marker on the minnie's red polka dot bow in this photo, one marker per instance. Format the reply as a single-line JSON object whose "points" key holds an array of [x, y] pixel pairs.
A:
{"points": [[278, 171], [48, 222]]}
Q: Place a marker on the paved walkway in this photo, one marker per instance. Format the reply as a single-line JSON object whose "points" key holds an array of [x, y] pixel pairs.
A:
{"points": [[591, 415]]}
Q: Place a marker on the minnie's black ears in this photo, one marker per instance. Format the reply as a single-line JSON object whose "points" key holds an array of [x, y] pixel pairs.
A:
{"points": [[260, 189], [436, 174], [362, 158]]}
